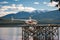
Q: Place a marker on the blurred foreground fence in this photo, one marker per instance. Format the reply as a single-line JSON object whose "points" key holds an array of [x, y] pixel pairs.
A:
{"points": [[30, 32]]}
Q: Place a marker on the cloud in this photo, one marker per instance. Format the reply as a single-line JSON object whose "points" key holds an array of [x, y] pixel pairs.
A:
{"points": [[29, 9], [53, 4], [4, 2], [6, 13], [5, 10], [41, 9], [16, 0], [44, 2], [36, 2]]}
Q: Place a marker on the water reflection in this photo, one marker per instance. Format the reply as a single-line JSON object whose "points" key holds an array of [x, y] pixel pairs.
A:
{"points": [[11, 33]]}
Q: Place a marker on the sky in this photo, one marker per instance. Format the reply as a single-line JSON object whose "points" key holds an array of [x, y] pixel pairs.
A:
{"points": [[14, 6]]}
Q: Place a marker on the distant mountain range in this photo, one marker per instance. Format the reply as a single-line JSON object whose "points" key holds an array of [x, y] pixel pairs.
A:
{"points": [[24, 14], [42, 16]]}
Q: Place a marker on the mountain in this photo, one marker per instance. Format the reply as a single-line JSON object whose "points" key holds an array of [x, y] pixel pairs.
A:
{"points": [[49, 17], [23, 14], [42, 16], [53, 15]]}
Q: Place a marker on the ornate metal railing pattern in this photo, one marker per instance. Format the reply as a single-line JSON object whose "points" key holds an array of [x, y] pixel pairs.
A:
{"points": [[40, 33]]}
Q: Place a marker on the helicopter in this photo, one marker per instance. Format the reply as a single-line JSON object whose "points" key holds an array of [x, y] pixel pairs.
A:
{"points": [[29, 21], [58, 3]]}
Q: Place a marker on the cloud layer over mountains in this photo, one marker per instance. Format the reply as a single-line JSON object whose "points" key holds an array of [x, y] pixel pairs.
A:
{"points": [[5, 10]]}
